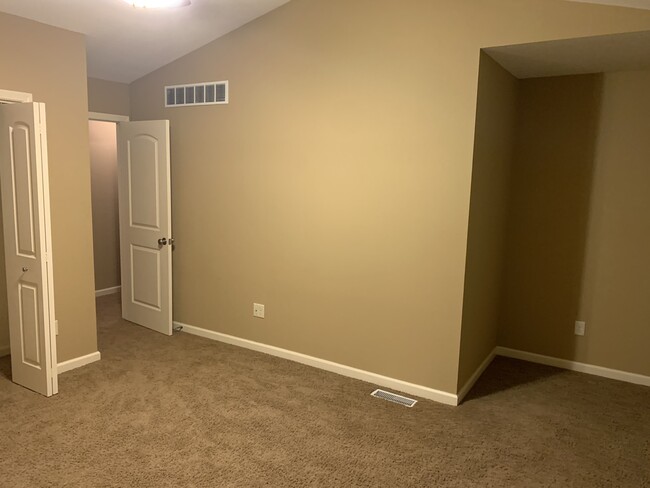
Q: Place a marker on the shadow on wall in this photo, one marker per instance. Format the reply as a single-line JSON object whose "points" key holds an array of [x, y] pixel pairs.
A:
{"points": [[532, 176], [534, 165], [550, 194], [577, 238]]}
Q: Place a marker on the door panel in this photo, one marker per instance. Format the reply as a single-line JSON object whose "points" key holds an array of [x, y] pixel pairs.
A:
{"points": [[28, 243], [28, 314], [145, 217], [146, 276], [21, 185], [143, 182]]}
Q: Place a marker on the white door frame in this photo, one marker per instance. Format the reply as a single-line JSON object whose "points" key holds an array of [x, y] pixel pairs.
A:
{"points": [[8, 96], [103, 117]]}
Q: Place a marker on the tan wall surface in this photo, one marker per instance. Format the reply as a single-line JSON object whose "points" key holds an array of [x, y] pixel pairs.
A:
{"points": [[551, 186], [106, 226], [580, 236], [50, 63], [334, 188], [108, 97], [494, 142], [616, 285]]}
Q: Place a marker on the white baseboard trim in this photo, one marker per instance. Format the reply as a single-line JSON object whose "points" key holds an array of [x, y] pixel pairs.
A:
{"points": [[477, 374], [613, 374], [107, 291], [359, 374], [5, 351], [75, 363]]}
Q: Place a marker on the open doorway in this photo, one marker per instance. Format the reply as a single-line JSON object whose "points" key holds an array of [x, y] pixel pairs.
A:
{"points": [[102, 138], [105, 207], [131, 206]]}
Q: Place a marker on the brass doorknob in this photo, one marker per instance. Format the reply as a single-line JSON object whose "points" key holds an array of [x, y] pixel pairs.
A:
{"points": [[162, 241], [25, 269]]}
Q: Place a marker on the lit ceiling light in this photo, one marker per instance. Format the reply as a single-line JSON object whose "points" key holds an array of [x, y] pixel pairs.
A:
{"points": [[158, 3]]}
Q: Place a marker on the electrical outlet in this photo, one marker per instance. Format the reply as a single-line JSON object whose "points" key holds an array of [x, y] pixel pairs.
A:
{"points": [[258, 310], [580, 328]]}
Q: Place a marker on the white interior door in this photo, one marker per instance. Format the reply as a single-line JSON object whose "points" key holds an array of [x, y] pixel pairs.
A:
{"points": [[28, 257], [145, 223]]}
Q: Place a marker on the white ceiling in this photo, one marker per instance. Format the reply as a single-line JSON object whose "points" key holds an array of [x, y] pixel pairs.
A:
{"points": [[125, 43], [618, 52]]}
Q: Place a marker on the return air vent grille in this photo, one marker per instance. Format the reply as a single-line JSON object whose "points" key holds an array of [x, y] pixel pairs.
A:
{"points": [[392, 397], [210, 93]]}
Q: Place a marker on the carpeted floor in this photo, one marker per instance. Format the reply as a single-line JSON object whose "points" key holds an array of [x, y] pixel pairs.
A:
{"points": [[188, 412]]}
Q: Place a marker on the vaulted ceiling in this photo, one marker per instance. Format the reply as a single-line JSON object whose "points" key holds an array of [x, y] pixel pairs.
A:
{"points": [[125, 43]]}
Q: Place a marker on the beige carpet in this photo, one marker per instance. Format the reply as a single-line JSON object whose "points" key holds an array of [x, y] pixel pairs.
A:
{"points": [[188, 412]]}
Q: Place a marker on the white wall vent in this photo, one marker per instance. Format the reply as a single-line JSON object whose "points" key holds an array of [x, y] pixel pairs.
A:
{"points": [[210, 93]]}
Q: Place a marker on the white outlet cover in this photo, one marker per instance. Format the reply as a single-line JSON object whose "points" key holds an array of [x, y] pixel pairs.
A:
{"points": [[258, 310], [580, 328]]}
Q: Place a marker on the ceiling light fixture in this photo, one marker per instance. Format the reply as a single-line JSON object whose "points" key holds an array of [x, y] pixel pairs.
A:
{"points": [[158, 3]]}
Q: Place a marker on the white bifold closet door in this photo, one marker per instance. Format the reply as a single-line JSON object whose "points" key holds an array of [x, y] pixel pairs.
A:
{"points": [[28, 246]]}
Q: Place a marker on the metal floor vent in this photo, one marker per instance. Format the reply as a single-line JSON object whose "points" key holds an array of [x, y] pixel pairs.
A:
{"points": [[392, 397]]}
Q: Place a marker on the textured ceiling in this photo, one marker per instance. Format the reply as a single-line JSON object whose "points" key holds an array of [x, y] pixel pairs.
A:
{"points": [[125, 43]]}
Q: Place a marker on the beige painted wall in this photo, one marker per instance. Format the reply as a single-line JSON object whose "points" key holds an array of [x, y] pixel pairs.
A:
{"points": [[50, 63], [579, 236], [335, 186], [494, 142], [106, 227], [551, 186], [616, 282], [108, 97]]}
